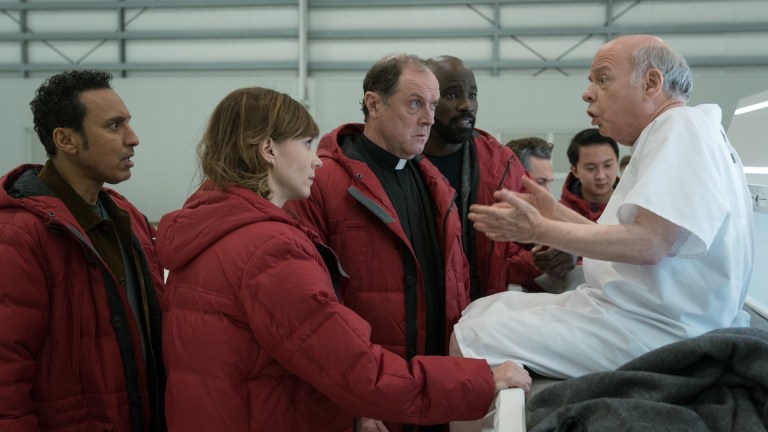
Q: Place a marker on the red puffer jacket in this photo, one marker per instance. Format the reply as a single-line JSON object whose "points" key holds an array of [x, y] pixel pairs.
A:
{"points": [[350, 210], [499, 264], [256, 339], [61, 366]]}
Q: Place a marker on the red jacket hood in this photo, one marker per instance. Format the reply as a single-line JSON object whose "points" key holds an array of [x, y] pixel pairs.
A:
{"points": [[184, 233], [332, 142]]}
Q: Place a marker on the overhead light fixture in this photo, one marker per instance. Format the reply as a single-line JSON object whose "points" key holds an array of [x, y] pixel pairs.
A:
{"points": [[750, 108], [755, 170]]}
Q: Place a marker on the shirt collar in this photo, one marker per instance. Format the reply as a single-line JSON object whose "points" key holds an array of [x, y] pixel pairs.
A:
{"points": [[81, 210], [381, 157]]}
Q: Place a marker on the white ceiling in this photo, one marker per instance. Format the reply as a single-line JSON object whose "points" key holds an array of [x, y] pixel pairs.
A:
{"points": [[135, 37]]}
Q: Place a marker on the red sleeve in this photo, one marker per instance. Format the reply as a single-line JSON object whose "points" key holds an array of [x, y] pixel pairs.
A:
{"points": [[294, 315], [520, 268]]}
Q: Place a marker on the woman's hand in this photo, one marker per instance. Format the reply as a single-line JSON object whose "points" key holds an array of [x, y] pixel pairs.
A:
{"points": [[365, 424], [510, 374]]}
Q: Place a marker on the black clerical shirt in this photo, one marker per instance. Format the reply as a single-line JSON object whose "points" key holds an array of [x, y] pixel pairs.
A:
{"points": [[408, 193]]}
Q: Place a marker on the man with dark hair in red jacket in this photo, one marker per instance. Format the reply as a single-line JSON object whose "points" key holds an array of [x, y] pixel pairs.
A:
{"points": [[594, 173], [79, 314]]}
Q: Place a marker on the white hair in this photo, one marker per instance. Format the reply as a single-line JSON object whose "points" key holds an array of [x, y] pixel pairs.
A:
{"points": [[678, 81]]}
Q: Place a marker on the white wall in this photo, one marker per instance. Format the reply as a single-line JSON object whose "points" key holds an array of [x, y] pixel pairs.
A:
{"points": [[758, 287], [169, 115]]}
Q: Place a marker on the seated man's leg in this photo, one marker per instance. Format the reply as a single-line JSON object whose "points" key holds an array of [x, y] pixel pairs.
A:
{"points": [[561, 336]]}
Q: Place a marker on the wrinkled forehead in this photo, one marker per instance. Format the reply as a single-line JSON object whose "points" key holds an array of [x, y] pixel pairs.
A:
{"points": [[421, 82], [612, 58]]}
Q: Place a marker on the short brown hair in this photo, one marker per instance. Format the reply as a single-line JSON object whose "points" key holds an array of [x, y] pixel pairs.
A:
{"points": [[229, 151]]}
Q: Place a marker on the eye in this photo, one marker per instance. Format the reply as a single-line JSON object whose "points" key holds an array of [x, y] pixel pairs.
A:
{"points": [[114, 125], [308, 144], [473, 96], [449, 95]]}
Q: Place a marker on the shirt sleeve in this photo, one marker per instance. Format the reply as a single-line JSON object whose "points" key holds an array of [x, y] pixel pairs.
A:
{"points": [[677, 178]]}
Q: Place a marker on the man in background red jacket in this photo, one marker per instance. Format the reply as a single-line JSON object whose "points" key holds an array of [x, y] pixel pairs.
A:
{"points": [[594, 173], [476, 165]]}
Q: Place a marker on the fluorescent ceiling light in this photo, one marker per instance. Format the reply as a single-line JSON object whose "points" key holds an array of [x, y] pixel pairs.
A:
{"points": [[755, 170], [750, 108]]}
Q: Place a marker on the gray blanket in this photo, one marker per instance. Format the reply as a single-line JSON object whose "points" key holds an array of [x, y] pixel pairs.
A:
{"points": [[714, 382]]}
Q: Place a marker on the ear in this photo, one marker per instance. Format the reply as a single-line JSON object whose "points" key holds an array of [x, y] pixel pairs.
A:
{"points": [[373, 102], [268, 151], [66, 140], [654, 82], [574, 171]]}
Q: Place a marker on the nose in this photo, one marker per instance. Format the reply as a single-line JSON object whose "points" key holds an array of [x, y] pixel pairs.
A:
{"points": [[601, 173], [427, 117], [466, 105], [131, 139], [588, 95], [316, 161]]}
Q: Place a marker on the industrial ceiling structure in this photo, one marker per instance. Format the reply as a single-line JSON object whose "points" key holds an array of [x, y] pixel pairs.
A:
{"points": [[310, 37]]}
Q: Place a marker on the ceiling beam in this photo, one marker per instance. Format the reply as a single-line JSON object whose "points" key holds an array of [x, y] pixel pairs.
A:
{"points": [[278, 33], [288, 65], [190, 4]]}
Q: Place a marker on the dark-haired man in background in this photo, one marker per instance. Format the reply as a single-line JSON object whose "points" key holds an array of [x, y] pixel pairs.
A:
{"points": [[594, 173]]}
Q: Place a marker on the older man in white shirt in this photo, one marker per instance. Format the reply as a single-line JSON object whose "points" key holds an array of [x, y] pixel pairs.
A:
{"points": [[669, 259]]}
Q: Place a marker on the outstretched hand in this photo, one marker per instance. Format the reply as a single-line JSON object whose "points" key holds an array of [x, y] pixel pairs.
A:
{"points": [[515, 216], [540, 198], [512, 218]]}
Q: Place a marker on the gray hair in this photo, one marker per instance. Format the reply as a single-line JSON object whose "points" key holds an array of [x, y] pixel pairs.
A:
{"points": [[524, 148], [678, 81]]}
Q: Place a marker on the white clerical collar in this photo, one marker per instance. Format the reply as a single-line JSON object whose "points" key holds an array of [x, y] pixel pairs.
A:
{"points": [[400, 164]]}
